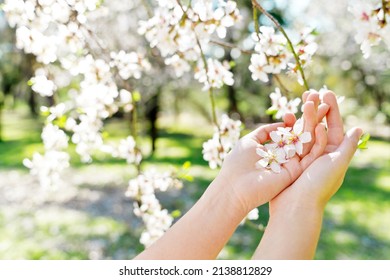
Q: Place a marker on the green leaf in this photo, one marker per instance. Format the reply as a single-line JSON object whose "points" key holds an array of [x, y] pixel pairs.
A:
{"points": [[45, 113], [314, 32], [232, 64], [363, 142], [188, 178], [271, 111], [186, 165], [30, 83], [60, 122], [176, 214], [136, 96]]}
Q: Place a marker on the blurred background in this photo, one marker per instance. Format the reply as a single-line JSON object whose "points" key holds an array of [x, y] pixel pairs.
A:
{"points": [[89, 217]]}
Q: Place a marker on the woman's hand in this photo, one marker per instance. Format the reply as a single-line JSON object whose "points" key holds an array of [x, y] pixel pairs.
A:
{"points": [[249, 186], [296, 213], [321, 180]]}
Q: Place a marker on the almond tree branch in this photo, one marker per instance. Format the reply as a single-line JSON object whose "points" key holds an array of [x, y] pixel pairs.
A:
{"points": [[290, 44]]}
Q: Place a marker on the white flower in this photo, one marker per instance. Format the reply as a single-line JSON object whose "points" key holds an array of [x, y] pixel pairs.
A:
{"points": [[281, 105], [370, 29], [297, 137], [41, 85], [252, 216], [179, 65], [281, 141], [147, 206], [180, 39], [130, 64], [271, 159], [216, 149], [54, 138], [268, 42], [127, 150], [213, 152], [48, 167], [215, 76], [259, 67]]}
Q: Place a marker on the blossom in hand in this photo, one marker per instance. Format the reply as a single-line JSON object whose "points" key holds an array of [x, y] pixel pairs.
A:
{"points": [[272, 158], [298, 137], [286, 141]]}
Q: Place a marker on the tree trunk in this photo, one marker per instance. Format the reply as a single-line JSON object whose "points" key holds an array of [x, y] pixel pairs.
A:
{"points": [[32, 104], [153, 108], [1, 117], [232, 96], [231, 90]]}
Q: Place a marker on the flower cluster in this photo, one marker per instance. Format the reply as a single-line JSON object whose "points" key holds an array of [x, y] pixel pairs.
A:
{"points": [[35, 31], [225, 137], [146, 206], [371, 20], [181, 34], [272, 54], [126, 149], [286, 142], [130, 64], [58, 34], [281, 105], [48, 167], [217, 74], [41, 85]]}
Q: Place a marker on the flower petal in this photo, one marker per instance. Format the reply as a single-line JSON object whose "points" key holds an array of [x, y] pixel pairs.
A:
{"points": [[305, 137], [262, 163], [280, 155], [298, 126], [271, 146], [275, 167], [290, 150], [275, 136], [299, 147], [261, 153]]}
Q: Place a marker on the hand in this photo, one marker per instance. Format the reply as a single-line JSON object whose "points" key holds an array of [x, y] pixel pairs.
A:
{"points": [[249, 186], [321, 180]]}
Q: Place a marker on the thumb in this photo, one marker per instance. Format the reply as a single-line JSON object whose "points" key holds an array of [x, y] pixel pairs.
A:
{"points": [[349, 145]]}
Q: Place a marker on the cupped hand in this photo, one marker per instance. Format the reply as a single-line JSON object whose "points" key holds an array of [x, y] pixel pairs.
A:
{"points": [[321, 180], [250, 186]]}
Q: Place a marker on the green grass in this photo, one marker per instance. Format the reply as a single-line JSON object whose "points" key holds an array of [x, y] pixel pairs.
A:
{"points": [[356, 222]]}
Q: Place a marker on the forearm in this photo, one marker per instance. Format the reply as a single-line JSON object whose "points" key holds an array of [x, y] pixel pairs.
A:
{"points": [[202, 232], [291, 234]]}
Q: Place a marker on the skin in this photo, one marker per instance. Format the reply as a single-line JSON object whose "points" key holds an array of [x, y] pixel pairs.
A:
{"points": [[299, 209], [240, 187]]}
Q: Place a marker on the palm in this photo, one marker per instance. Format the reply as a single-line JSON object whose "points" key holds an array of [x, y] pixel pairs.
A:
{"points": [[253, 186], [323, 177]]}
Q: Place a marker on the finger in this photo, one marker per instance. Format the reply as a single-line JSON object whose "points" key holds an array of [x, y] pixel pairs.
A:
{"points": [[289, 119], [310, 120], [292, 169], [315, 97], [261, 134], [305, 95], [318, 148], [348, 147], [333, 120], [323, 109]]}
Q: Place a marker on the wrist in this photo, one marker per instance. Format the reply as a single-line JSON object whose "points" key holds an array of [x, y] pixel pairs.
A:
{"points": [[220, 196], [297, 209]]}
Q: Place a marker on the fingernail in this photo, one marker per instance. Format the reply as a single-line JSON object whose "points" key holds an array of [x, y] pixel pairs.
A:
{"points": [[355, 133]]}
